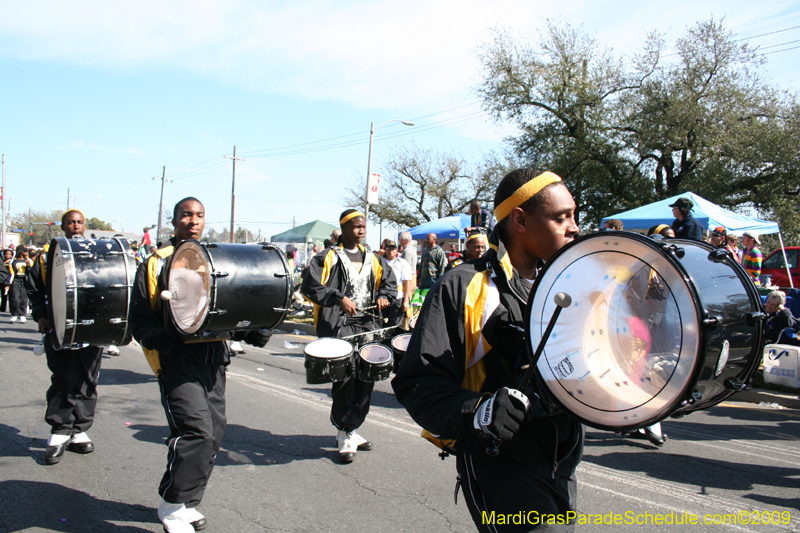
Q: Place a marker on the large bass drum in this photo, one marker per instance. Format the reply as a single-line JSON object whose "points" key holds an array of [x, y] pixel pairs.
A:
{"points": [[89, 285], [220, 287], [656, 328]]}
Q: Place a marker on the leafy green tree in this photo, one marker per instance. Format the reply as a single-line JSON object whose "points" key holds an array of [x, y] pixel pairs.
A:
{"points": [[96, 223], [241, 235], [625, 131]]}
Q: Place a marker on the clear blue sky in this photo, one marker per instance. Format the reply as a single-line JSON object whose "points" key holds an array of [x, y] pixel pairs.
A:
{"points": [[97, 97]]}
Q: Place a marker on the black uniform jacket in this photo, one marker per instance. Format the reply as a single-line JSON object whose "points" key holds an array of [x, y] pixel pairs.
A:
{"points": [[149, 319], [464, 347], [35, 285], [326, 281]]}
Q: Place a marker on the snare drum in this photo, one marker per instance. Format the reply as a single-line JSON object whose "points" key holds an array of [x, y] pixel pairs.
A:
{"points": [[399, 347], [226, 287], [328, 360], [656, 328], [374, 363], [88, 283]]}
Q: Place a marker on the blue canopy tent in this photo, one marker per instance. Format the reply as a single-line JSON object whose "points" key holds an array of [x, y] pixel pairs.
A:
{"points": [[708, 214], [445, 228]]}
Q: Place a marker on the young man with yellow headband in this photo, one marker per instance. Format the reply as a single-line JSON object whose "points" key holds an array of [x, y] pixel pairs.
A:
{"points": [[474, 249], [344, 281], [191, 377], [72, 396], [467, 356]]}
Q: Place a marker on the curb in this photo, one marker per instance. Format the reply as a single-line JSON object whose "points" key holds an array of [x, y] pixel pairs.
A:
{"points": [[758, 396]]}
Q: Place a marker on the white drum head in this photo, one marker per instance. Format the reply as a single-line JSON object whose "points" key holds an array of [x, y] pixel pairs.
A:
{"points": [[190, 285], [401, 342], [375, 353], [624, 351], [62, 269], [328, 348]]}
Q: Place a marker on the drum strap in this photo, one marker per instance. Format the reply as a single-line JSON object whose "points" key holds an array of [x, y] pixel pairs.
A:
{"points": [[513, 369]]}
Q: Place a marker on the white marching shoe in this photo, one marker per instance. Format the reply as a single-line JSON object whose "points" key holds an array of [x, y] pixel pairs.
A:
{"points": [[349, 442], [174, 517], [112, 350], [22, 320]]}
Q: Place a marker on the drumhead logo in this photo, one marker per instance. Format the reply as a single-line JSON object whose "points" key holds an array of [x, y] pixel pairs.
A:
{"points": [[564, 368], [723, 357]]}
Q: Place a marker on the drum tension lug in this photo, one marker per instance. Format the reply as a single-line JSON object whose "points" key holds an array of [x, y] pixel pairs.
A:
{"points": [[712, 321], [218, 312], [281, 274], [734, 384], [221, 274], [719, 255], [754, 317], [280, 310]]}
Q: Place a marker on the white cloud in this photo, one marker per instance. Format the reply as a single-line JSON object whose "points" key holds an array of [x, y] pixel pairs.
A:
{"points": [[366, 53]]}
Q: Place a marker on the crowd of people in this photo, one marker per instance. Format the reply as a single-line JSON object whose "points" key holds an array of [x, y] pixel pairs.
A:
{"points": [[462, 372]]}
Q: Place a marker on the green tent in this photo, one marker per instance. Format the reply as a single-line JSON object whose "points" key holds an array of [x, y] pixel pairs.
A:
{"points": [[313, 231]]}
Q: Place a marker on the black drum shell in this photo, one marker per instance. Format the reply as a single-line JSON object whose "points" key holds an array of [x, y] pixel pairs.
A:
{"points": [[728, 305], [328, 369], [250, 287], [723, 295], [97, 299], [370, 372], [398, 352]]}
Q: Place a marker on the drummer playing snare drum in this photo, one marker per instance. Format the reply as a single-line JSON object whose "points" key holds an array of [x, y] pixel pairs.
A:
{"points": [[343, 281], [72, 396]]}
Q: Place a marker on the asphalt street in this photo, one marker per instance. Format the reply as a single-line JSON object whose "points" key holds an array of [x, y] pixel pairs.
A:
{"points": [[278, 467]]}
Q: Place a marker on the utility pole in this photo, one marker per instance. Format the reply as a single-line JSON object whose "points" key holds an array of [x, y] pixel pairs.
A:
{"points": [[30, 221], [3, 200], [67, 198], [161, 201], [233, 186]]}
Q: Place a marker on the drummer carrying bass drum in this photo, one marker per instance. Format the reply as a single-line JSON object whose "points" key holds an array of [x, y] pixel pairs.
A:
{"points": [[72, 396], [191, 378], [343, 281], [461, 372]]}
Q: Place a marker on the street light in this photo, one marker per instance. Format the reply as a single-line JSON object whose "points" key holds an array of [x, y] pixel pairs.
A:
{"points": [[372, 130]]}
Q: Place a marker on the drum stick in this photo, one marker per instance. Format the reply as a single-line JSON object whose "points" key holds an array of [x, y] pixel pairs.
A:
{"points": [[385, 320], [562, 301]]}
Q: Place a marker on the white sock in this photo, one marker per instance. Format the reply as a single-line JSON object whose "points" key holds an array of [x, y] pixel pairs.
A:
{"points": [[80, 438], [57, 440], [193, 515]]}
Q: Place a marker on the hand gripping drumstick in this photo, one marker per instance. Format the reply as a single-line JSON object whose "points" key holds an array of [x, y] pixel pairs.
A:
{"points": [[562, 301]]}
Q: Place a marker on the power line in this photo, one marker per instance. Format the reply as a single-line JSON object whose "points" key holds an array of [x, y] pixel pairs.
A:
{"points": [[784, 50], [768, 33]]}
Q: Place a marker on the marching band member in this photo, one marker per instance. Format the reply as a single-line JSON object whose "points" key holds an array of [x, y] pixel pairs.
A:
{"points": [[343, 281], [191, 378], [475, 247], [72, 396], [17, 296], [461, 371]]}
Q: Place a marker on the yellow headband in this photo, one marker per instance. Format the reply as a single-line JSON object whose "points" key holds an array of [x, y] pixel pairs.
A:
{"points": [[660, 228], [474, 236], [73, 210], [524, 193], [354, 214]]}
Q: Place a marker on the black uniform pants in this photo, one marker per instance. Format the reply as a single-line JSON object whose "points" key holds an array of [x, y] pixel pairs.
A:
{"points": [[493, 487], [351, 397], [72, 396], [18, 297], [193, 396], [4, 297]]}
